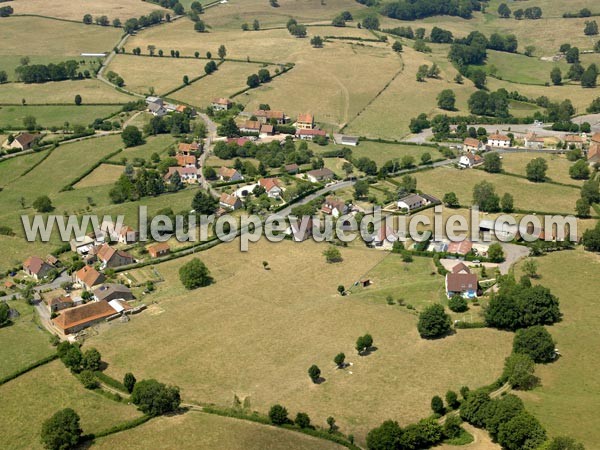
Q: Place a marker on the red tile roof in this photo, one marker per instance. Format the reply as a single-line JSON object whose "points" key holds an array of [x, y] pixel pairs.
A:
{"points": [[89, 276], [81, 315]]}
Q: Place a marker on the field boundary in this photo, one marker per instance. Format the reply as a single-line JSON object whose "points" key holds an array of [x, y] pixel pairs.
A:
{"points": [[28, 368]]}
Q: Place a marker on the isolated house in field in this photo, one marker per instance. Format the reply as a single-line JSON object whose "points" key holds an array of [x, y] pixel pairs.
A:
{"points": [[251, 127], [498, 140], [343, 139], [187, 174], [309, 135], [36, 267], [221, 104], [462, 248], [113, 291], [460, 281], [272, 187], [574, 141], [318, 175], [23, 141], [228, 174], [230, 202], [533, 141], [88, 277], [470, 160], [472, 145], [110, 257], [76, 319], [412, 202], [268, 116], [305, 122], [334, 206], [159, 250], [59, 303]]}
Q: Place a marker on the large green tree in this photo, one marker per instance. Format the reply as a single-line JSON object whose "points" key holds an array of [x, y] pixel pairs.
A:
{"points": [[154, 398], [61, 431], [536, 342], [132, 136], [194, 274], [434, 322]]}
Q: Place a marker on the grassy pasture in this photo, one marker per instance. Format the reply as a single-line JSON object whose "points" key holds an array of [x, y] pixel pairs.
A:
{"points": [[558, 166], [255, 329], [197, 430], [520, 68], [154, 144], [11, 117], [325, 70], [91, 91], [22, 342], [167, 73], [103, 175], [76, 9], [236, 12], [12, 168], [527, 195], [230, 78], [9, 63], [381, 153], [35, 396], [566, 401]]}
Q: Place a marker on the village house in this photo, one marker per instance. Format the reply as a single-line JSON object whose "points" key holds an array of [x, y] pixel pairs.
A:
{"points": [[498, 140], [412, 202], [221, 104], [123, 234], [229, 174], [300, 229], [23, 141], [158, 250], [110, 257], [343, 139], [186, 149], [36, 267], [461, 248], [533, 141], [157, 110], [272, 187], [292, 168], [469, 160], [305, 122], [187, 174], [268, 116], [88, 277], [61, 302], [266, 130], [574, 141], [186, 160], [309, 135], [251, 127], [318, 175], [460, 281], [385, 237], [230, 202], [75, 319], [113, 291], [472, 145], [334, 206]]}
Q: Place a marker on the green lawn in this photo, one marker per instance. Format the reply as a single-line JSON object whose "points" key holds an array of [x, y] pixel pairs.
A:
{"points": [[154, 144], [11, 117]]}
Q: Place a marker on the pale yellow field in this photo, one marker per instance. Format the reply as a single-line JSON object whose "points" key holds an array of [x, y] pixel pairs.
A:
{"points": [[197, 430], [558, 166], [103, 175], [91, 91], [255, 332], [76, 9], [230, 78]]}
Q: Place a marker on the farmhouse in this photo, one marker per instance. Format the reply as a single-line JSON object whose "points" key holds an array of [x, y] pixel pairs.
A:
{"points": [[118, 232], [309, 135], [221, 104], [251, 127], [343, 139], [229, 174], [110, 257], [188, 174], [127, 235], [317, 175], [574, 141], [533, 141], [23, 141], [305, 122], [272, 187], [157, 110], [186, 149], [158, 250], [229, 202], [76, 319], [469, 160], [461, 248], [113, 291], [334, 206], [292, 168], [268, 116], [461, 282], [59, 303], [498, 140], [88, 277], [593, 154], [152, 99], [36, 267], [472, 145], [267, 130]]}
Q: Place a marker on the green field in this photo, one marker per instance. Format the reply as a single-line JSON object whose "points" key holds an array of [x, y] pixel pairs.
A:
{"points": [[32, 398], [248, 332], [11, 117], [197, 430], [23, 342], [154, 144], [381, 153], [558, 166], [566, 401]]}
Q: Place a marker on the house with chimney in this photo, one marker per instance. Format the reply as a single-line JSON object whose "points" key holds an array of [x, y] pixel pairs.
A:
{"points": [[23, 141], [334, 206], [73, 320], [472, 145], [229, 202]]}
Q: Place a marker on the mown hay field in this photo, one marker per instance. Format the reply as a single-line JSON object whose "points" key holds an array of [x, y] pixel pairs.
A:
{"points": [[254, 329], [11, 117], [91, 91], [558, 166]]}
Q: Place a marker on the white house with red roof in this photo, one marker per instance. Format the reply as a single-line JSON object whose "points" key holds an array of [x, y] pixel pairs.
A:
{"points": [[272, 187]]}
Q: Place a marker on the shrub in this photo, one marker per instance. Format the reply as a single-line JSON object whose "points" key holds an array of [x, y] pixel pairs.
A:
{"points": [[458, 303], [278, 415]]}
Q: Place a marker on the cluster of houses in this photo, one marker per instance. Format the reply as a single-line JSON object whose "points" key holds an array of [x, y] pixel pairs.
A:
{"points": [[187, 163], [159, 108]]}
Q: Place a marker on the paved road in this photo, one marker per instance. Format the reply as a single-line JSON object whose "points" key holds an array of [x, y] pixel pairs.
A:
{"points": [[211, 128]]}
